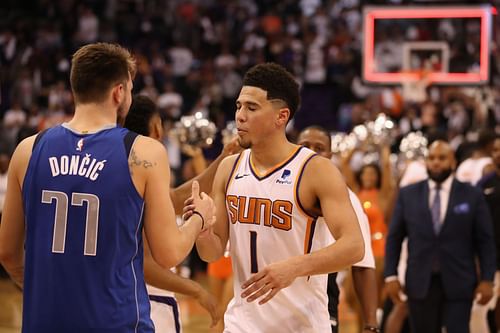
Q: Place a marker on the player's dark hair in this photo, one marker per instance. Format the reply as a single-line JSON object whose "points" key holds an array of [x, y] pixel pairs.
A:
{"points": [[277, 82], [320, 129], [140, 114], [95, 68]]}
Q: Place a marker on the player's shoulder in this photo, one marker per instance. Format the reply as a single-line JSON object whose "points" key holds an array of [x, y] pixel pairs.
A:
{"points": [[318, 165], [27, 143], [146, 146], [24, 148], [20, 158], [229, 161], [226, 167]]}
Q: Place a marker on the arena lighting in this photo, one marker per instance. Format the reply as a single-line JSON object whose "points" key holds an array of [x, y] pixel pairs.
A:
{"points": [[372, 13]]}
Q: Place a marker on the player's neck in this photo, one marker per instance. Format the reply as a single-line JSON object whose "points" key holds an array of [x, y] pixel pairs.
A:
{"points": [[92, 117], [267, 155]]}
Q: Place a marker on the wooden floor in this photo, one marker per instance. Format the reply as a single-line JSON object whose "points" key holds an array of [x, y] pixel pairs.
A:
{"points": [[194, 318]]}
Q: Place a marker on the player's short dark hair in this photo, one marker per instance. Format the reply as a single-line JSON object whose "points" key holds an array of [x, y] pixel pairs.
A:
{"points": [[95, 68], [141, 111], [320, 129], [277, 82]]}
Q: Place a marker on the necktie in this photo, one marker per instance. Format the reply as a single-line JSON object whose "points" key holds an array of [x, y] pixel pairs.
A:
{"points": [[436, 210]]}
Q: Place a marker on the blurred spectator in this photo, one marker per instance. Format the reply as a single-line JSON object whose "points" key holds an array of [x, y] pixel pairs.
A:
{"points": [[13, 120], [374, 187], [473, 168], [490, 184], [442, 278], [88, 26], [182, 60], [170, 101]]}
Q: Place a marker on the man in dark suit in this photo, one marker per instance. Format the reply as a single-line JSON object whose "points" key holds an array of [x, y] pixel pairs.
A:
{"points": [[448, 225]]}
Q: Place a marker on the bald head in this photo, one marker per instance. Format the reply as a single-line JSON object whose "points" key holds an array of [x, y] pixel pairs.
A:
{"points": [[440, 161]]}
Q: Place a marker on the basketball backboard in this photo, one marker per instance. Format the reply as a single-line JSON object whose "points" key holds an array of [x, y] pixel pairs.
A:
{"points": [[444, 44]]}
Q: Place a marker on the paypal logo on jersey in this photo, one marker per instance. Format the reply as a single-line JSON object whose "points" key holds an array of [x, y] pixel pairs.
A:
{"points": [[285, 177]]}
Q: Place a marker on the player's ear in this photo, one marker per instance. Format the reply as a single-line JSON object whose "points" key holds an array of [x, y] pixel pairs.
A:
{"points": [[118, 93], [283, 116]]}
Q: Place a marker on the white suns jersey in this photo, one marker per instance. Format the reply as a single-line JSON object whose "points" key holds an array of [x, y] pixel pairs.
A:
{"points": [[267, 225]]}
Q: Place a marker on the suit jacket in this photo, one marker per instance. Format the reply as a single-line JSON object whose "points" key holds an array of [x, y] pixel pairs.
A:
{"points": [[466, 232]]}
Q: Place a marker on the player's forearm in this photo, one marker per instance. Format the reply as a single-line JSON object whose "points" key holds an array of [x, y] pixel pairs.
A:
{"points": [[332, 258], [165, 279], [170, 252], [189, 231], [365, 285], [210, 247]]}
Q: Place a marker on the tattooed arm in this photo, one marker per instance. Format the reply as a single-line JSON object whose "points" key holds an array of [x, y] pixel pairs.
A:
{"points": [[150, 172], [135, 162]]}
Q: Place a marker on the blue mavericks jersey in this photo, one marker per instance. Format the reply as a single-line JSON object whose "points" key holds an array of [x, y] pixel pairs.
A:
{"points": [[84, 254]]}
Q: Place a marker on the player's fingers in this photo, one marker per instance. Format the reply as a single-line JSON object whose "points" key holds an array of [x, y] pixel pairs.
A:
{"points": [[188, 209], [261, 292], [214, 313], [255, 287], [252, 279], [195, 190], [188, 201], [270, 295]]}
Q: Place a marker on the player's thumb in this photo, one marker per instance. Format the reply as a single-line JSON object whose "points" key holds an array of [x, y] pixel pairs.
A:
{"points": [[195, 190]]}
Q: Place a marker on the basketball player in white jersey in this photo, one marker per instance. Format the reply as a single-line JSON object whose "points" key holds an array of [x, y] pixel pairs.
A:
{"points": [[318, 139], [144, 118], [273, 193]]}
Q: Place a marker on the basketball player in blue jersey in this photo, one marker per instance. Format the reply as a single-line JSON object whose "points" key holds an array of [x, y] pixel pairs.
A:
{"points": [[318, 139], [144, 118], [78, 198], [273, 192]]}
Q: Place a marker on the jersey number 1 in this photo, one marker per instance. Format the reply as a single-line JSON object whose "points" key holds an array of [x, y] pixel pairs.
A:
{"points": [[61, 219], [254, 268]]}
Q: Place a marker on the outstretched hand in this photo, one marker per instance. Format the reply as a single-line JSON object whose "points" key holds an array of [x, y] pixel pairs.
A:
{"points": [[202, 204], [268, 282], [208, 301]]}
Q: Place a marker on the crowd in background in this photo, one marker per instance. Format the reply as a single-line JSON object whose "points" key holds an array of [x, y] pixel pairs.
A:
{"points": [[191, 56]]}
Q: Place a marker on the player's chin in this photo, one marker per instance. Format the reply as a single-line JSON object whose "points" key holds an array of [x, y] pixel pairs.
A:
{"points": [[245, 144]]}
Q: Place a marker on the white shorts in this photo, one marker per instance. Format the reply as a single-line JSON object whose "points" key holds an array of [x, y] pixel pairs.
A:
{"points": [[165, 314]]}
